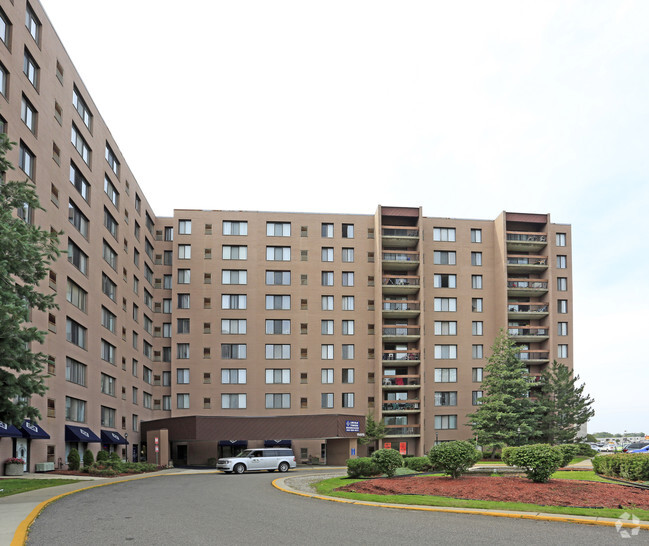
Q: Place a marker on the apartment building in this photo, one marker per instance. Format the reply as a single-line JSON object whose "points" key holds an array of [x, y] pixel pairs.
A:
{"points": [[193, 336]]}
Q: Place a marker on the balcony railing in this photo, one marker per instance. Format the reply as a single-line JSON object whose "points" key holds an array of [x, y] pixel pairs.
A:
{"points": [[399, 430], [400, 232], [527, 260], [401, 305], [400, 280], [401, 405], [401, 380], [533, 284], [527, 237], [527, 307], [400, 256], [401, 355], [533, 355], [401, 330], [528, 331]]}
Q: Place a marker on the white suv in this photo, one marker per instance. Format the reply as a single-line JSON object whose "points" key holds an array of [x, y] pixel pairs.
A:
{"points": [[259, 459]]}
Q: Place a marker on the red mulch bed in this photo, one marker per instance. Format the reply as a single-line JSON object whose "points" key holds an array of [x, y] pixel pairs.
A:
{"points": [[554, 493]]}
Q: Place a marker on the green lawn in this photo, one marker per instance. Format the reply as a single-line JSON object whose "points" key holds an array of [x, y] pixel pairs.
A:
{"points": [[10, 486], [327, 487]]}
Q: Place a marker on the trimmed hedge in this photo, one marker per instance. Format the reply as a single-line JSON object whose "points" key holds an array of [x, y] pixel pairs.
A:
{"points": [[539, 461], [418, 464], [454, 458], [362, 467], [629, 466], [388, 460], [569, 452], [74, 459], [88, 458], [102, 456]]}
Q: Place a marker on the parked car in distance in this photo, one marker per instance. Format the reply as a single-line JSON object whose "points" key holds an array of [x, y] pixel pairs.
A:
{"points": [[644, 449], [595, 447], [610, 447], [635, 445], [281, 459]]}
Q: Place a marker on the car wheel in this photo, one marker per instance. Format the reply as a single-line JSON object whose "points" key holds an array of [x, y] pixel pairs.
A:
{"points": [[239, 468], [283, 467]]}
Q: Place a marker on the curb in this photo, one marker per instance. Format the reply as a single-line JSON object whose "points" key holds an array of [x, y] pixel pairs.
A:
{"points": [[280, 484]]}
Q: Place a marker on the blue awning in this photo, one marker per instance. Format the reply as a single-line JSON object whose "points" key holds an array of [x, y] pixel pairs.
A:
{"points": [[112, 437], [80, 434], [234, 443], [30, 430], [9, 431], [277, 443]]}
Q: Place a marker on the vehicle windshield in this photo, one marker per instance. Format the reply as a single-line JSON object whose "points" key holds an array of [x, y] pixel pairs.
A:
{"points": [[245, 453]]}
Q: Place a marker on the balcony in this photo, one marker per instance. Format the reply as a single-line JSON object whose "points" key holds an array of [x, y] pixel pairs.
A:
{"points": [[528, 334], [400, 284], [400, 308], [524, 263], [526, 241], [400, 260], [527, 287], [400, 334], [404, 358], [399, 430], [400, 236], [534, 356], [527, 310], [400, 406], [401, 382]]}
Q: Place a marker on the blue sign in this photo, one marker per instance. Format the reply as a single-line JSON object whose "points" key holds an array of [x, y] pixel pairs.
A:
{"points": [[353, 451], [352, 426]]}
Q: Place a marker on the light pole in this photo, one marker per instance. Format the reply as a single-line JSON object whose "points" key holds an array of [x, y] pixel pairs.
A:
{"points": [[126, 436]]}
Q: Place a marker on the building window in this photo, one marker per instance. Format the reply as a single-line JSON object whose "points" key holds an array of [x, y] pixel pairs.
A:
{"points": [[108, 287], [233, 376], [30, 68], [562, 328], [27, 160], [234, 301], [81, 108], [562, 306], [80, 145], [327, 400], [77, 257], [476, 258], [327, 254], [234, 276], [327, 230], [477, 351], [348, 352], [5, 29], [79, 182], [348, 303], [445, 304], [233, 351], [327, 351], [444, 257], [279, 327], [476, 305], [278, 401], [111, 192], [476, 282], [278, 229], [182, 400], [348, 231], [476, 375], [111, 159], [76, 334], [78, 219], [233, 401], [327, 327], [445, 375], [278, 351], [327, 376], [33, 24], [348, 400], [182, 326], [348, 327], [108, 384], [562, 284], [348, 278], [445, 422], [278, 302], [476, 328], [4, 79], [444, 234], [234, 252], [476, 235], [562, 351], [235, 228], [110, 256], [75, 410], [278, 375], [28, 114], [327, 278], [476, 398], [184, 276], [348, 375], [448, 398], [108, 352], [278, 253], [441, 280], [182, 351], [233, 326], [562, 262], [278, 278], [75, 371], [183, 301], [445, 328], [108, 319], [445, 352], [561, 239], [184, 252], [348, 255], [327, 303], [110, 223]]}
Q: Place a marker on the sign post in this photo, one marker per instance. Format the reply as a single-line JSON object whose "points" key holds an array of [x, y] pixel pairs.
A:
{"points": [[157, 449]]}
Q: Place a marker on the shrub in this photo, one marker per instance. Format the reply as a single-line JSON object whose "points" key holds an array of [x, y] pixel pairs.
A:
{"points": [[74, 460], [454, 458], [362, 467], [88, 458], [388, 460], [569, 452], [630, 466], [102, 456], [585, 450], [540, 461], [102, 471], [418, 464], [115, 457]]}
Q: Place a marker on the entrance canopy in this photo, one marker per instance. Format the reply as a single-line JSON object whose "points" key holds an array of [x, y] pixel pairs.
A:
{"points": [[112, 437], [80, 434], [30, 430], [9, 431], [277, 443]]}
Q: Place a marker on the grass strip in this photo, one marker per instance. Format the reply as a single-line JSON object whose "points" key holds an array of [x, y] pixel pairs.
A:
{"points": [[327, 487], [10, 486]]}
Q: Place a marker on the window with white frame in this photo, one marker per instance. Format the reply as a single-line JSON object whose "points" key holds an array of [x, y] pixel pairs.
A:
{"points": [[80, 145], [444, 234], [278, 229], [278, 302], [81, 107], [278, 278], [327, 351], [30, 68], [562, 351], [234, 401], [184, 252], [441, 280], [327, 375], [445, 375], [445, 328], [278, 326], [28, 114], [348, 303], [234, 301], [234, 252], [234, 276], [233, 326], [562, 306], [446, 398], [111, 159], [234, 376], [278, 253], [445, 352], [445, 422], [278, 400], [278, 375], [182, 376], [235, 228], [444, 257], [233, 351], [79, 182], [27, 160], [327, 303], [33, 24], [561, 239], [445, 304], [111, 192], [278, 351], [184, 227]]}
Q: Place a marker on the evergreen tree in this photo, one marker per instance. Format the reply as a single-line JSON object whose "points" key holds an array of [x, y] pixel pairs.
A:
{"points": [[25, 254], [374, 430], [562, 405], [506, 413]]}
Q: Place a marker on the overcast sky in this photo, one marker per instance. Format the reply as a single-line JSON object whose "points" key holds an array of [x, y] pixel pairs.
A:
{"points": [[464, 108]]}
